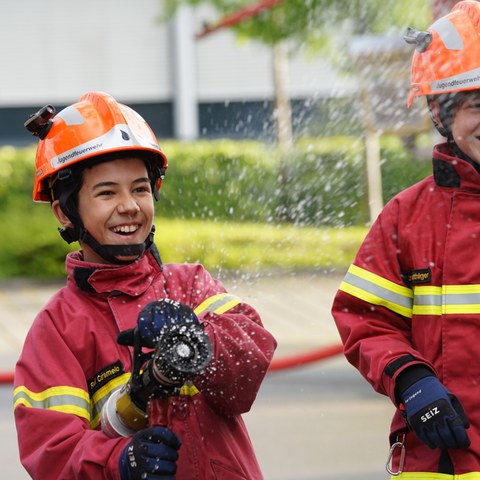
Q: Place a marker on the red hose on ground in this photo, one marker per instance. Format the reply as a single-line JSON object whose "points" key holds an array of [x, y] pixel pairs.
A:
{"points": [[305, 358], [281, 364], [6, 377]]}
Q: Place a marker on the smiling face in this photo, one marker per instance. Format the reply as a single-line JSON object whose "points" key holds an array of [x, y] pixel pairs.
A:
{"points": [[466, 126], [115, 203]]}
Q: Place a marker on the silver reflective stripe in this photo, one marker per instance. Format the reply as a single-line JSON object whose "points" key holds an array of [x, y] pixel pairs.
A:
{"points": [[469, 79], [378, 291], [462, 299], [433, 300], [101, 397], [219, 303], [448, 33], [53, 402], [71, 116], [97, 407]]}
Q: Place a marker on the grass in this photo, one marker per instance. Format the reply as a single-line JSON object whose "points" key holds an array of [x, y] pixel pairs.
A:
{"points": [[246, 247]]}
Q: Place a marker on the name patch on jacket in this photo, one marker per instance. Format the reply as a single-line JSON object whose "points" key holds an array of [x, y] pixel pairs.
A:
{"points": [[105, 375], [418, 276]]}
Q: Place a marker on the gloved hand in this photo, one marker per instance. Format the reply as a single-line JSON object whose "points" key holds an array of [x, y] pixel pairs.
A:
{"points": [[155, 316], [152, 454], [436, 415]]}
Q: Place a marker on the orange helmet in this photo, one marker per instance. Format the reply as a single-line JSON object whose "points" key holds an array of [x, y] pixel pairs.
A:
{"points": [[447, 56], [94, 126]]}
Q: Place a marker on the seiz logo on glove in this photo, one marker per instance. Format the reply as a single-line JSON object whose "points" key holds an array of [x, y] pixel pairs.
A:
{"points": [[435, 414], [151, 454]]}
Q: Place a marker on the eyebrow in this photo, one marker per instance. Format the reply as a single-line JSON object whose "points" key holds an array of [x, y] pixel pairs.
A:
{"points": [[110, 184]]}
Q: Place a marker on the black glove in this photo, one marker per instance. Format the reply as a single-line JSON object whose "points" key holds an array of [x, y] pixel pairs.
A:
{"points": [[161, 314], [435, 415], [152, 454]]}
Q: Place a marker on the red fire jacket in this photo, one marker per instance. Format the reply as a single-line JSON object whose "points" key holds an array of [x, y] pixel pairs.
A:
{"points": [[412, 295], [71, 363]]}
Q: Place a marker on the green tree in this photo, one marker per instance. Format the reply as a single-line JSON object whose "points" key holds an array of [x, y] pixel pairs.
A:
{"points": [[314, 26]]}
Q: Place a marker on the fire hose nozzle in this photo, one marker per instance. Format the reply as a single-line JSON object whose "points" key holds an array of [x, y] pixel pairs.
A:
{"points": [[183, 351], [120, 416]]}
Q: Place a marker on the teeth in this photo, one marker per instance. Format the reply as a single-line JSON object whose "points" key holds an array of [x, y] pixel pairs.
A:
{"points": [[125, 229]]}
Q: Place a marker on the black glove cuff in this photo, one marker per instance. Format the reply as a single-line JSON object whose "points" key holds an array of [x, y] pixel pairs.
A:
{"points": [[409, 376]]}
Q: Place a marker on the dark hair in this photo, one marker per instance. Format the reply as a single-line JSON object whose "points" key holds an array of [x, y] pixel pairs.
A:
{"points": [[449, 104], [74, 174]]}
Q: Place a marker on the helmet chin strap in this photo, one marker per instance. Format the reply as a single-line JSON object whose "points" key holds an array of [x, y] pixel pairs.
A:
{"points": [[108, 252], [112, 252]]}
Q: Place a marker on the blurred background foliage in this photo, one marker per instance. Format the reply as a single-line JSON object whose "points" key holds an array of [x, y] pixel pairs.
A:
{"points": [[237, 206]]}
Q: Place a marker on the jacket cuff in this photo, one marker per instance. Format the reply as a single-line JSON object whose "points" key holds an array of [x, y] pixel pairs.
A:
{"points": [[409, 376], [405, 371]]}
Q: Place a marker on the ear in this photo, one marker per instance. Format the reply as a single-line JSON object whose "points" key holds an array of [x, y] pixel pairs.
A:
{"points": [[434, 108], [62, 218]]}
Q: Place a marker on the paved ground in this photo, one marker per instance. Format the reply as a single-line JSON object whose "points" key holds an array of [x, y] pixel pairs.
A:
{"points": [[295, 308], [320, 421]]}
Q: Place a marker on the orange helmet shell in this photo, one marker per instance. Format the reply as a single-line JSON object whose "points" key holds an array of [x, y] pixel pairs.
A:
{"points": [[96, 125], [451, 62]]}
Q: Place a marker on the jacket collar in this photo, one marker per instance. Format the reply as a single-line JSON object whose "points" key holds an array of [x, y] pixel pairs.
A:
{"points": [[452, 171], [132, 279]]}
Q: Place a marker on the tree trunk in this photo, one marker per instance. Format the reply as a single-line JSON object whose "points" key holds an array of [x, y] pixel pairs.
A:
{"points": [[283, 109]]}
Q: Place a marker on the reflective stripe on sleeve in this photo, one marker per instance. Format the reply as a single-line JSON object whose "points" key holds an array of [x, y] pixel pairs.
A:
{"points": [[220, 303], [448, 300], [77, 402], [422, 300], [189, 390], [378, 291], [101, 396], [61, 399], [70, 400]]}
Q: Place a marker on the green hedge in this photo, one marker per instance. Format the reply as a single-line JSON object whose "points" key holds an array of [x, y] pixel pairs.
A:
{"points": [[321, 183]]}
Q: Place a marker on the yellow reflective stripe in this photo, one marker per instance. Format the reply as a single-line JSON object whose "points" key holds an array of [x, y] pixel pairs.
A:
{"points": [[219, 303], [421, 290], [189, 390], [376, 290], [462, 289], [459, 309], [101, 396], [427, 310], [61, 399], [435, 476], [382, 282]]}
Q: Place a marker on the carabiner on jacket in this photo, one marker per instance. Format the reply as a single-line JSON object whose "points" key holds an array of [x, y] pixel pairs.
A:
{"points": [[401, 446]]}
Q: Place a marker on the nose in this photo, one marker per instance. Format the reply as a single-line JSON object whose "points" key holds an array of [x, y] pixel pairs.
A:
{"points": [[128, 205]]}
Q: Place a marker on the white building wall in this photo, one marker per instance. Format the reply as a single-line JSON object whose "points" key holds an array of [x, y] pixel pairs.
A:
{"points": [[242, 70], [53, 51]]}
